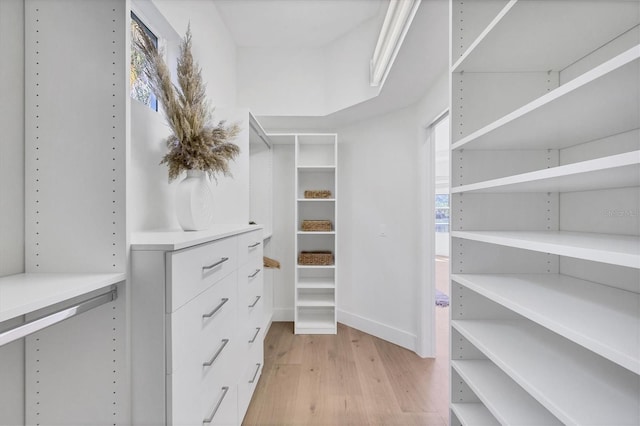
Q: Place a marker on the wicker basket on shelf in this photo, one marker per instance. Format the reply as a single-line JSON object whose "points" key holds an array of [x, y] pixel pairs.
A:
{"points": [[317, 258], [316, 225], [317, 193]]}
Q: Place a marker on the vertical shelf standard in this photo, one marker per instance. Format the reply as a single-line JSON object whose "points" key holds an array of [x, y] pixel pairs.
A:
{"points": [[316, 186]]}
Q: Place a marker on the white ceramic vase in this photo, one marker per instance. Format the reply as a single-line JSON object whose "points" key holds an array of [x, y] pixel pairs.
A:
{"points": [[194, 201]]}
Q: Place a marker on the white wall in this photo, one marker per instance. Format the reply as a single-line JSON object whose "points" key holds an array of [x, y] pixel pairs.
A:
{"points": [[379, 275], [380, 175], [312, 81], [213, 46], [347, 67], [12, 194], [151, 195], [274, 81]]}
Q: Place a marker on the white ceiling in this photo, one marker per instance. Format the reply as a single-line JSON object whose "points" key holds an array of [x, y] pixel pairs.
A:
{"points": [[295, 23], [422, 60]]}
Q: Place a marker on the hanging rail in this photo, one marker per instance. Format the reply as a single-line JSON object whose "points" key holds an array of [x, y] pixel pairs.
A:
{"points": [[38, 324]]}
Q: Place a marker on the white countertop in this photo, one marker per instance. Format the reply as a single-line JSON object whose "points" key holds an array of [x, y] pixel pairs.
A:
{"points": [[176, 239]]}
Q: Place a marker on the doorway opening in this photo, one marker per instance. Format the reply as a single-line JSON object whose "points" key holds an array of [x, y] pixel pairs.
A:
{"points": [[434, 200], [439, 136]]}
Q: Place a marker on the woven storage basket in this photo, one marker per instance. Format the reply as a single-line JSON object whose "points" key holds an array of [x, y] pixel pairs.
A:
{"points": [[317, 193], [315, 258], [316, 225]]}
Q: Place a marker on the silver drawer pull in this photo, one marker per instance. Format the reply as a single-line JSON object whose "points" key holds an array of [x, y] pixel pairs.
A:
{"points": [[255, 374], [255, 336], [209, 419], [254, 245], [213, 265], [254, 273], [216, 309], [255, 302], [217, 354]]}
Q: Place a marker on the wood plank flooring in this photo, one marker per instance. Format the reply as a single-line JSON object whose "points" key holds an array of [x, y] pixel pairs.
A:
{"points": [[350, 378]]}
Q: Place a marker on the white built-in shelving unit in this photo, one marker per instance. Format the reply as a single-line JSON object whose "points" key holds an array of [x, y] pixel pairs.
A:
{"points": [[316, 161], [65, 316], [545, 212]]}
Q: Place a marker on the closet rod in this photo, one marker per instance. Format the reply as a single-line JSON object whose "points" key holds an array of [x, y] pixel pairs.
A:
{"points": [[38, 324]]}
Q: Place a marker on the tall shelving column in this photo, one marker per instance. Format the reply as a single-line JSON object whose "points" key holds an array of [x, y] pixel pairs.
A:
{"points": [[545, 266], [76, 237], [316, 162]]}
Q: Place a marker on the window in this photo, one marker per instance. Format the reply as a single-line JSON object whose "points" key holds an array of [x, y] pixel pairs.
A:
{"points": [[140, 88], [442, 212]]}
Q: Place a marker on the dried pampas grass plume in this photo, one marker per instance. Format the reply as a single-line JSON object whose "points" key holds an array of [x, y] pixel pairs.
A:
{"points": [[196, 144]]}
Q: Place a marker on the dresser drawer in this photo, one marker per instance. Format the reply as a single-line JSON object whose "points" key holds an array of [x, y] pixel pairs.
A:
{"points": [[251, 333], [199, 329], [250, 247], [193, 270], [249, 379], [220, 406], [193, 401], [250, 287], [195, 388]]}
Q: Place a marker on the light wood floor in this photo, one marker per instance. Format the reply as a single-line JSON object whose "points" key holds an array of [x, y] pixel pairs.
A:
{"points": [[352, 378]]}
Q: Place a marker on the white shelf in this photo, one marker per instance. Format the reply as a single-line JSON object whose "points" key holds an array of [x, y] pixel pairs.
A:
{"points": [[316, 200], [556, 34], [503, 397], [578, 111], [315, 283], [473, 414], [328, 169], [616, 171], [316, 232], [621, 250], [316, 299], [316, 266], [25, 293], [577, 386], [592, 315]]}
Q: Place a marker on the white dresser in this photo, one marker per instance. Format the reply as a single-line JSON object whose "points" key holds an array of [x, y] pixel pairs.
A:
{"points": [[197, 325]]}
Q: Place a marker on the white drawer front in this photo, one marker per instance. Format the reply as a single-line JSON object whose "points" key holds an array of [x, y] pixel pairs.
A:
{"points": [[250, 304], [199, 328], [250, 247], [220, 406], [193, 270], [249, 379], [195, 402]]}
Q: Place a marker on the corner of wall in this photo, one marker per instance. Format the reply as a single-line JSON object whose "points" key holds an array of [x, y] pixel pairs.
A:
{"points": [[377, 329]]}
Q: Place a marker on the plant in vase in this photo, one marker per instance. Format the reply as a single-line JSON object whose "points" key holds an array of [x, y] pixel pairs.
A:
{"points": [[197, 145]]}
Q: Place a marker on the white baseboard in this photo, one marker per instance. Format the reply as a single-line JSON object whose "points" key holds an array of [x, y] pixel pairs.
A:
{"points": [[382, 331], [377, 329], [281, 314]]}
